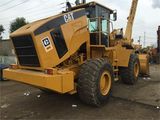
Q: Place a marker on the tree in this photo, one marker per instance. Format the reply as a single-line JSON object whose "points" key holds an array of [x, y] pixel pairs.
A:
{"points": [[17, 23], [1, 31]]}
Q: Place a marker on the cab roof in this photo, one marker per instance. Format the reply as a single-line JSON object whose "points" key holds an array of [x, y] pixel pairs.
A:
{"points": [[90, 4]]}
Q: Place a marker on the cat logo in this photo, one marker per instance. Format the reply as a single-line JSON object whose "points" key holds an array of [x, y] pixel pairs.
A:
{"points": [[68, 17], [47, 44]]}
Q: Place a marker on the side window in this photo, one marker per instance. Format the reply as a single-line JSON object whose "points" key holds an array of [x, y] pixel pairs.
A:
{"points": [[93, 25], [104, 26], [59, 42]]}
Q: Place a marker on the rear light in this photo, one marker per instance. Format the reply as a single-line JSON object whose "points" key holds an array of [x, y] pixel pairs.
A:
{"points": [[13, 66], [49, 71]]}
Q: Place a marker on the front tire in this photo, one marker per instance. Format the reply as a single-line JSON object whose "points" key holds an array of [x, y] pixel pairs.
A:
{"points": [[130, 74], [95, 81]]}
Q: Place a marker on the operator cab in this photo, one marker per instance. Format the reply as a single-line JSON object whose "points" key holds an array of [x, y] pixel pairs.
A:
{"points": [[99, 18]]}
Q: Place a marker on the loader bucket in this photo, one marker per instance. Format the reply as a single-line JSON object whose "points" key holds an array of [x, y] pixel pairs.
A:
{"points": [[144, 64]]}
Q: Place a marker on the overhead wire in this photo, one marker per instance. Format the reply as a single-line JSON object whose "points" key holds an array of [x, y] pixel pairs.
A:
{"points": [[31, 11], [13, 6], [43, 15], [6, 3], [36, 13], [28, 13], [37, 17]]}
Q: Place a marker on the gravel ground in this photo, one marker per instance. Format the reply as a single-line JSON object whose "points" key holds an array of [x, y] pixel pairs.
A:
{"points": [[138, 102]]}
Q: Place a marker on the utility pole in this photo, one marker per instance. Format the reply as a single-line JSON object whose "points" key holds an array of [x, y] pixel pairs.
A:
{"points": [[144, 42], [139, 41]]}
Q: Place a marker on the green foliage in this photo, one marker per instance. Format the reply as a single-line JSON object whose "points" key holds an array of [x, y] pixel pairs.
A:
{"points": [[17, 23], [1, 31], [1, 28]]}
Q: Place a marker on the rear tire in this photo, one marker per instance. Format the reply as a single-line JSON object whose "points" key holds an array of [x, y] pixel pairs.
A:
{"points": [[130, 74], [95, 81]]}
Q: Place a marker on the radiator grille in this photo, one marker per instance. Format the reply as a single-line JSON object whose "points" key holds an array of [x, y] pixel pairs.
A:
{"points": [[25, 51]]}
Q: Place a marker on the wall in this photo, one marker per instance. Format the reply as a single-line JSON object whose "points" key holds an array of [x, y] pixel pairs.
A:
{"points": [[8, 60], [6, 48], [6, 52]]}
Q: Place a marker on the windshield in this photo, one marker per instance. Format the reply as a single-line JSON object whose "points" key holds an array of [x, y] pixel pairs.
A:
{"points": [[98, 25]]}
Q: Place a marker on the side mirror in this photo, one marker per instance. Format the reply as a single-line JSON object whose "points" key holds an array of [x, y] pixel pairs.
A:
{"points": [[114, 15]]}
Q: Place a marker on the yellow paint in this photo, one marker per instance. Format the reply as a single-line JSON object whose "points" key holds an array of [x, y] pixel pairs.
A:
{"points": [[123, 55], [136, 69], [144, 64], [77, 35], [61, 82], [129, 27], [105, 83]]}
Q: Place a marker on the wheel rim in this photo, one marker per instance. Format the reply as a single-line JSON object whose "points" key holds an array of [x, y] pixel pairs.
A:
{"points": [[136, 70], [105, 83]]}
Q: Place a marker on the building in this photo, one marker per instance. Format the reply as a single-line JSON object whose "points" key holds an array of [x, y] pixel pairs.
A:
{"points": [[7, 52], [6, 48]]}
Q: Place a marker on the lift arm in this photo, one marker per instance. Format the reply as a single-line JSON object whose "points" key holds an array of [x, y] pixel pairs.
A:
{"points": [[128, 32]]}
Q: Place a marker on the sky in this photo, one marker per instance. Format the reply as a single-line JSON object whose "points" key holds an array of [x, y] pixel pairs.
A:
{"points": [[147, 17]]}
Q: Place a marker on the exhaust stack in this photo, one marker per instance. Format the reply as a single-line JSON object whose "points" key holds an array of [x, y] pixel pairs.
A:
{"points": [[78, 2]]}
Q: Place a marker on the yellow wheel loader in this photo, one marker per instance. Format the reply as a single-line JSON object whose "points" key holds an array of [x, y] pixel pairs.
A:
{"points": [[76, 51]]}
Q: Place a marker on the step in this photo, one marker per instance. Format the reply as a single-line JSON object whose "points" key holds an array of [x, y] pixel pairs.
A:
{"points": [[116, 70], [116, 79]]}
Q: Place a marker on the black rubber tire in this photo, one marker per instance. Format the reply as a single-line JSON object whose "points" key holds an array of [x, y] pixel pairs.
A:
{"points": [[127, 74], [1, 77], [89, 81], [2, 67]]}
